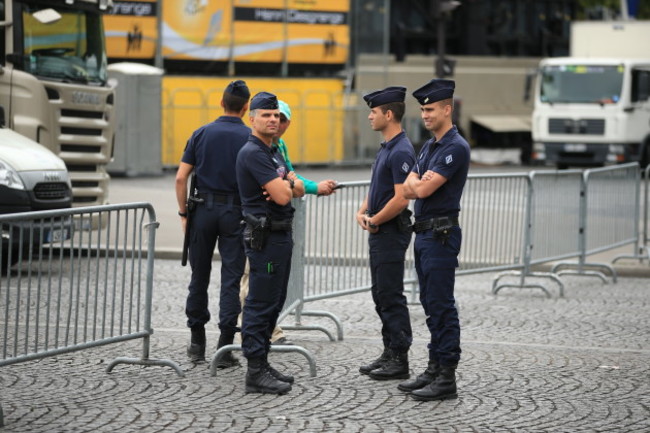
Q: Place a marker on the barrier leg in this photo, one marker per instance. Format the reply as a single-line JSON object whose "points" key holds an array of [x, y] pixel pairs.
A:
{"points": [[579, 270], [2, 422], [319, 313], [230, 347], [522, 285], [145, 360]]}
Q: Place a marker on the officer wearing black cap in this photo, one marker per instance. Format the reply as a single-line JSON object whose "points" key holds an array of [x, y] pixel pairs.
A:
{"points": [[211, 153], [266, 188], [436, 184], [385, 216]]}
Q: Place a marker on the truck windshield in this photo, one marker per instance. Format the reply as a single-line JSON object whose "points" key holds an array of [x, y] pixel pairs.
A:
{"points": [[582, 83], [70, 49]]}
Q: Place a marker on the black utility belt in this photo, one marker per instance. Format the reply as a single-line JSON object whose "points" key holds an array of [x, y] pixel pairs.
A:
{"points": [[220, 198], [434, 224], [281, 225]]}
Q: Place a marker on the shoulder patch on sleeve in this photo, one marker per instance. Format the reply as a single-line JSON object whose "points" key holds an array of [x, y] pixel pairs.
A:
{"points": [[449, 159], [405, 167]]}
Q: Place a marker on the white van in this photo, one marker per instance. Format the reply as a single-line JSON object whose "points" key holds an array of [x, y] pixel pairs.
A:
{"points": [[32, 178]]}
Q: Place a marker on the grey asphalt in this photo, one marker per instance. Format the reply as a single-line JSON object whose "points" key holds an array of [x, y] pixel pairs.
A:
{"points": [[580, 363]]}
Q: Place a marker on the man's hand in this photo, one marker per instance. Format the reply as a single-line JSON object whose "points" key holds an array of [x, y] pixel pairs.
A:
{"points": [[326, 187], [361, 220], [428, 175], [372, 228]]}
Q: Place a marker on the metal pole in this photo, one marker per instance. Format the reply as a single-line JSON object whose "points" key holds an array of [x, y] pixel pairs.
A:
{"points": [[386, 42], [158, 61], [624, 12], [231, 51], [440, 23], [285, 45]]}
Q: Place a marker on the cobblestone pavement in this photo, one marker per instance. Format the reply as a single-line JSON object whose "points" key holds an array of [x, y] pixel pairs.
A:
{"points": [[529, 364]]}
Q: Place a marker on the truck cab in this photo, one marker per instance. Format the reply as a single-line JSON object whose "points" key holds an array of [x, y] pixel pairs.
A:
{"points": [[54, 86], [592, 111]]}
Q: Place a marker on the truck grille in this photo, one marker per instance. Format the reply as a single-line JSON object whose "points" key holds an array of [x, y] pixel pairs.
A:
{"points": [[51, 191], [576, 126]]}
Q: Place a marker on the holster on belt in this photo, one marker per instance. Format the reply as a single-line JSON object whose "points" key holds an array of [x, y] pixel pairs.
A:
{"points": [[256, 231], [404, 221]]}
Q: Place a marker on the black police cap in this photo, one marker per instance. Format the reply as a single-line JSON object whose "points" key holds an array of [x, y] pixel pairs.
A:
{"points": [[265, 101], [386, 96], [238, 88], [434, 91]]}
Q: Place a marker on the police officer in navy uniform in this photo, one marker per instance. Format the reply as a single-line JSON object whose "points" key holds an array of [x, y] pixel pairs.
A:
{"points": [[211, 153], [436, 184], [385, 216], [266, 188]]}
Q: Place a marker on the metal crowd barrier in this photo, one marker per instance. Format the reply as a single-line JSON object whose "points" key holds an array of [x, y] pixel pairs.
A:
{"points": [[609, 217], [511, 223], [643, 251], [82, 278], [551, 228]]}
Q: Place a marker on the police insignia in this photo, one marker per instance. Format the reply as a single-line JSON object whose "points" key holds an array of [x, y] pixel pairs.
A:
{"points": [[405, 167], [449, 159]]}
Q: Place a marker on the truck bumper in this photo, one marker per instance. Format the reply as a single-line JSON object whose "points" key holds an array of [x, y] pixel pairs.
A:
{"points": [[585, 154]]}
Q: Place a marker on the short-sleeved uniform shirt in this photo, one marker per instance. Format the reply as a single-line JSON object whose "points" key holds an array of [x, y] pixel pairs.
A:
{"points": [[258, 164], [448, 157], [212, 149], [392, 165]]}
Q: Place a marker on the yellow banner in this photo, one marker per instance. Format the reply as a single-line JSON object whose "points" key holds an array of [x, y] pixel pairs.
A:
{"points": [[305, 31], [131, 30]]}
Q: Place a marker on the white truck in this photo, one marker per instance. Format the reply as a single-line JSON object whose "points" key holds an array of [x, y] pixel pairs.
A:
{"points": [[32, 178], [593, 108]]}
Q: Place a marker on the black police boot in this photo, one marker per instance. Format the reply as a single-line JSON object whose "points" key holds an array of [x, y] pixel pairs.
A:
{"points": [[421, 380], [228, 359], [442, 388], [275, 373], [260, 380], [397, 367], [196, 349], [377, 363]]}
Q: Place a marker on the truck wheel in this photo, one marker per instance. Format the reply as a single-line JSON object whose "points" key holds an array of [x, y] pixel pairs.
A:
{"points": [[645, 155], [5, 265]]}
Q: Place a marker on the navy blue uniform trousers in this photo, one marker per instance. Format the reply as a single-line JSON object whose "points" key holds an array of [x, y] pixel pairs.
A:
{"points": [[435, 263], [267, 291], [387, 252], [211, 223]]}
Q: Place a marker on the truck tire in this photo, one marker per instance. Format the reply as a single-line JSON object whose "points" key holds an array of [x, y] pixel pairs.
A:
{"points": [[645, 154], [5, 265]]}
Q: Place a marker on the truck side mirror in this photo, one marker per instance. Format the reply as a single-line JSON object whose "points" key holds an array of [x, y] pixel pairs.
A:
{"points": [[528, 85]]}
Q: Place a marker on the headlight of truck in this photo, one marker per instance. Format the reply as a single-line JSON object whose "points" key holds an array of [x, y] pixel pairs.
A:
{"points": [[9, 177]]}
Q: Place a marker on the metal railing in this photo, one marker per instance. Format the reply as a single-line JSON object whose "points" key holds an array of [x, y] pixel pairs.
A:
{"points": [[510, 222], [81, 278]]}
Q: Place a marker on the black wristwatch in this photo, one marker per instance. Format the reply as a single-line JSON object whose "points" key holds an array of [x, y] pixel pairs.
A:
{"points": [[182, 214], [291, 183]]}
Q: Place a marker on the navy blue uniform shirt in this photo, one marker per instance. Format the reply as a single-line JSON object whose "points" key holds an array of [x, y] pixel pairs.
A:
{"points": [[448, 157], [392, 166], [257, 164], [211, 149]]}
